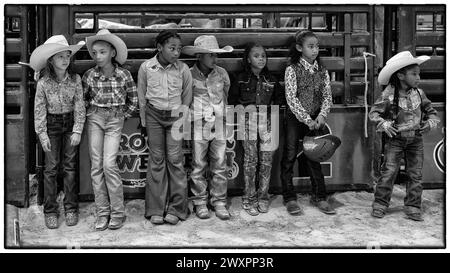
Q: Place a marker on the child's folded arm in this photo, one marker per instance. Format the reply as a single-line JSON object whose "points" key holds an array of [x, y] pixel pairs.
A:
{"points": [[430, 113]]}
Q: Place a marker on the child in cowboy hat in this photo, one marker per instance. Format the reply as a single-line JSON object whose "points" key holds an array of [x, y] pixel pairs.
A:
{"points": [[402, 112], [111, 96], [59, 115], [210, 91], [164, 85]]}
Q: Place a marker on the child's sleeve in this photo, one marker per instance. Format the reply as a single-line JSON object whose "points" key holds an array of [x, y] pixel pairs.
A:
{"points": [[79, 108], [291, 98], [226, 86], [327, 97], [429, 112], [86, 92], [278, 97], [186, 95], [141, 90], [132, 95], [40, 113], [379, 110], [233, 94]]}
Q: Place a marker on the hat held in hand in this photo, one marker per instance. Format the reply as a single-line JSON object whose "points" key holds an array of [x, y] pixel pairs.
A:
{"points": [[320, 148], [53, 45], [206, 44], [396, 63]]}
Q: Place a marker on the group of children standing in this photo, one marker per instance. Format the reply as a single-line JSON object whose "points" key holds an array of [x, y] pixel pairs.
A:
{"points": [[106, 95]]}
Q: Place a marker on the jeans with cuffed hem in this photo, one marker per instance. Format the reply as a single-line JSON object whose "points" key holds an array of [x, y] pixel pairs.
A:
{"points": [[215, 150], [104, 134], [59, 130]]}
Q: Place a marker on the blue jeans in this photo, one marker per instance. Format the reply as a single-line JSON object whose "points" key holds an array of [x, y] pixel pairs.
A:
{"points": [[104, 133], [166, 188], [394, 149], [59, 130], [296, 130], [215, 150]]}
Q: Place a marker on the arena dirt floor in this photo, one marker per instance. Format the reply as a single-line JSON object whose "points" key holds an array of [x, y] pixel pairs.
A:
{"points": [[352, 227]]}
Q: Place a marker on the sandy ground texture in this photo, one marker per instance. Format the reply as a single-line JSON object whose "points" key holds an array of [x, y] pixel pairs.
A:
{"points": [[352, 227]]}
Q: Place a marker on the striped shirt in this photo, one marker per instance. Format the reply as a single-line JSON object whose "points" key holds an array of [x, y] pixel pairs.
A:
{"points": [[116, 90]]}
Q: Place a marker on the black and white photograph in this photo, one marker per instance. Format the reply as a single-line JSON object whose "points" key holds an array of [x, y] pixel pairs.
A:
{"points": [[228, 126]]}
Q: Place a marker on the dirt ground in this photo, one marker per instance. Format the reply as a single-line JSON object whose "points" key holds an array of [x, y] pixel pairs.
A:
{"points": [[352, 227]]}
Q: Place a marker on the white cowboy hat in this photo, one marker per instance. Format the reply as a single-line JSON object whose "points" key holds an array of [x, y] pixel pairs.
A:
{"points": [[205, 44], [396, 63], [105, 35], [53, 45]]}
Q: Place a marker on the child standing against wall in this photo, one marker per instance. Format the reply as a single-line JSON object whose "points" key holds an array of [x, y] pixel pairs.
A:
{"points": [[59, 115], [308, 94], [403, 113], [256, 86], [164, 85], [210, 91], [111, 96]]}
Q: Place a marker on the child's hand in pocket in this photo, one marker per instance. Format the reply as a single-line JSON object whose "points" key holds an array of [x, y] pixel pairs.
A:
{"points": [[75, 139], [320, 122]]}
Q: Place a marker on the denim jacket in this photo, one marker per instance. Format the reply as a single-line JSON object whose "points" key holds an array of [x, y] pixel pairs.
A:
{"points": [[247, 88]]}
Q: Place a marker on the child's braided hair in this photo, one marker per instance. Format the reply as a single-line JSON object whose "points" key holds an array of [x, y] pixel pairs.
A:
{"points": [[165, 35]]}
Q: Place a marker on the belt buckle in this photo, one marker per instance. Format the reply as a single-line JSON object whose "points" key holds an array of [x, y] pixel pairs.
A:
{"points": [[408, 133]]}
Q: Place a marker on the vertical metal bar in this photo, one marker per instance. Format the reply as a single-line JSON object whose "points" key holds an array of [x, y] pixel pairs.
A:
{"points": [[24, 32], [95, 25], [371, 28], [71, 17], [347, 55], [407, 29]]}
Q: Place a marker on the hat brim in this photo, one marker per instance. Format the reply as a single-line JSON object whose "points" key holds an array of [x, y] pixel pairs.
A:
{"points": [[389, 69], [192, 50], [119, 45], [39, 57]]}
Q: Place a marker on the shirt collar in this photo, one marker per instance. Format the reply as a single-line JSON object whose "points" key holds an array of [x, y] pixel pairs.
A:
{"points": [[308, 66], [154, 63], [197, 70]]}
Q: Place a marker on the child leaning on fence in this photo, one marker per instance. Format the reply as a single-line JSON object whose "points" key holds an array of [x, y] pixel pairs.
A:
{"points": [[59, 116], [256, 86], [111, 96], [403, 113]]}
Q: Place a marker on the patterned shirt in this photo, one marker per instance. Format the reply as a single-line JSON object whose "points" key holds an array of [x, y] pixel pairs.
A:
{"points": [[58, 98], [117, 90], [165, 88], [414, 107], [311, 92], [210, 93]]}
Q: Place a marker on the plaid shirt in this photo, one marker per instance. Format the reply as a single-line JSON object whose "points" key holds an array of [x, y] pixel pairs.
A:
{"points": [[58, 98], [117, 90]]}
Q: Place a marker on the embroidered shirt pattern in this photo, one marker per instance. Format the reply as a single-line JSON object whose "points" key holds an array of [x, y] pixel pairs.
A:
{"points": [[58, 98]]}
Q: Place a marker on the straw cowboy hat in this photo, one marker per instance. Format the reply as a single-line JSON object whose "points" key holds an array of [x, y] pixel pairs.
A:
{"points": [[206, 44], [105, 35], [53, 45], [396, 63]]}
